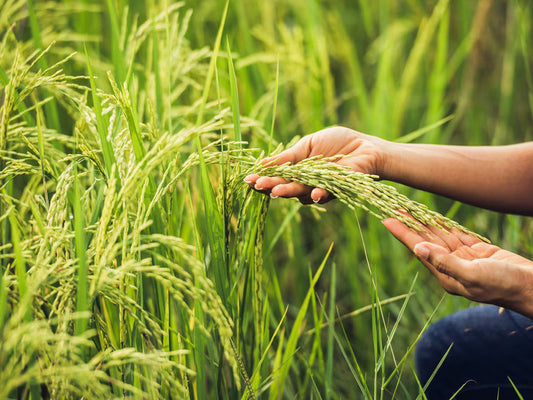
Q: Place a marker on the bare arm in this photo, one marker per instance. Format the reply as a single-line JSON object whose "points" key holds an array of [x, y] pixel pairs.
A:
{"points": [[499, 178]]}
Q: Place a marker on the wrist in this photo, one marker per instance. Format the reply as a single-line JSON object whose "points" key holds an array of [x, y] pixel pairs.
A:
{"points": [[523, 302], [388, 160]]}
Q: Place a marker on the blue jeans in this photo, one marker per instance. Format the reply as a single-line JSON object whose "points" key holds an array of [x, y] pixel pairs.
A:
{"points": [[490, 345]]}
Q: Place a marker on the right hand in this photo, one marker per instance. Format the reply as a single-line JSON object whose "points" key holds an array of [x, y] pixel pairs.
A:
{"points": [[363, 153], [468, 267]]}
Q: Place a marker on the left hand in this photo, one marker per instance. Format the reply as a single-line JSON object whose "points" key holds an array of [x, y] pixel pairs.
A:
{"points": [[361, 153], [466, 266]]}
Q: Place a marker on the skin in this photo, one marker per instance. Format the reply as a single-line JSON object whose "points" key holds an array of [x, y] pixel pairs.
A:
{"points": [[499, 178], [468, 267]]}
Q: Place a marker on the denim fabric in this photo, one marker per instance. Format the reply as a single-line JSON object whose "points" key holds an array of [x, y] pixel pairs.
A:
{"points": [[490, 344]]}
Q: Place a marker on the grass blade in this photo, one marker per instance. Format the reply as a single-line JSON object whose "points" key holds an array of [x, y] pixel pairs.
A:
{"points": [[82, 293], [51, 106], [296, 331], [234, 98], [101, 123], [331, 329]]}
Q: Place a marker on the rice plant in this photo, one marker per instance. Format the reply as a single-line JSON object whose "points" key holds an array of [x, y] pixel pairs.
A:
{"points": [[359, 190], [134, 261]]}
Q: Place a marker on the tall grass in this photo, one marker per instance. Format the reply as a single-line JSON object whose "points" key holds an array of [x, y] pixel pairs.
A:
{"points": [[136, 263]]}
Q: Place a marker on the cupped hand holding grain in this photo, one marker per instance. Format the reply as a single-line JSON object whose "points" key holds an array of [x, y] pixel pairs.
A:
{"points": [[466, 266], [360, 152]]}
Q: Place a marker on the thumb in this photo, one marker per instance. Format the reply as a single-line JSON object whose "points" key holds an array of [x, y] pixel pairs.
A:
{"points": [[441, 259], [422, 250], [298, 152]]}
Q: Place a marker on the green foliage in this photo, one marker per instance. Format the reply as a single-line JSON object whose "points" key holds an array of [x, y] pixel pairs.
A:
{"points": [[134, 261]]}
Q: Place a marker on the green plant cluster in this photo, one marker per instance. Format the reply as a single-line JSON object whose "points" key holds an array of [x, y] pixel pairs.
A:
{"points": [[135, 263]]}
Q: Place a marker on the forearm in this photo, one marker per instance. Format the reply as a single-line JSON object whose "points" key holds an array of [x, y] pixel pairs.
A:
{"points": [[499, 178]]}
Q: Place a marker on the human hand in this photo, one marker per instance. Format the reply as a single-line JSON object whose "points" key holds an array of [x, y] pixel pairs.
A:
{"points": [[466, 266], [361, 153]]}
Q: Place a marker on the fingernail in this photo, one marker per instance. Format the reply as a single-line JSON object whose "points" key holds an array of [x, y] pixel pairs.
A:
{"points": [[257, 187], [273, 197], [421, 251], [248, 180], [317, 200]]}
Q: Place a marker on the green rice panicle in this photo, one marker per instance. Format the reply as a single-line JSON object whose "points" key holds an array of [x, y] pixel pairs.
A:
{"points": [[360, 190]]}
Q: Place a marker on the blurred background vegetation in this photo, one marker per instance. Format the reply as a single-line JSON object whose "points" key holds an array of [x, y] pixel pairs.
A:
{"points": [[431, 71]]}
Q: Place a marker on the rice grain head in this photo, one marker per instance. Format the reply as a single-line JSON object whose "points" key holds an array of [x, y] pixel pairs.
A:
{"points": [[359, 190]]}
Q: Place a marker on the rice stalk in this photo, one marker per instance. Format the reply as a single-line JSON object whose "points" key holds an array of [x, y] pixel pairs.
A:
{"points": [[359, 190], [113, 274], [64, 373]]}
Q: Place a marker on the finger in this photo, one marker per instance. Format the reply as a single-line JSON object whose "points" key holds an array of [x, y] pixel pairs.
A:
{"points": [[444, 262], [463, 244], [321, 196], [416, 242], [251, 179], [466, 238], [292, 189], [298, 152], [423, 230], [447, 237], [484, 250], [409, 237], [267, 183], [426, 254]]}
